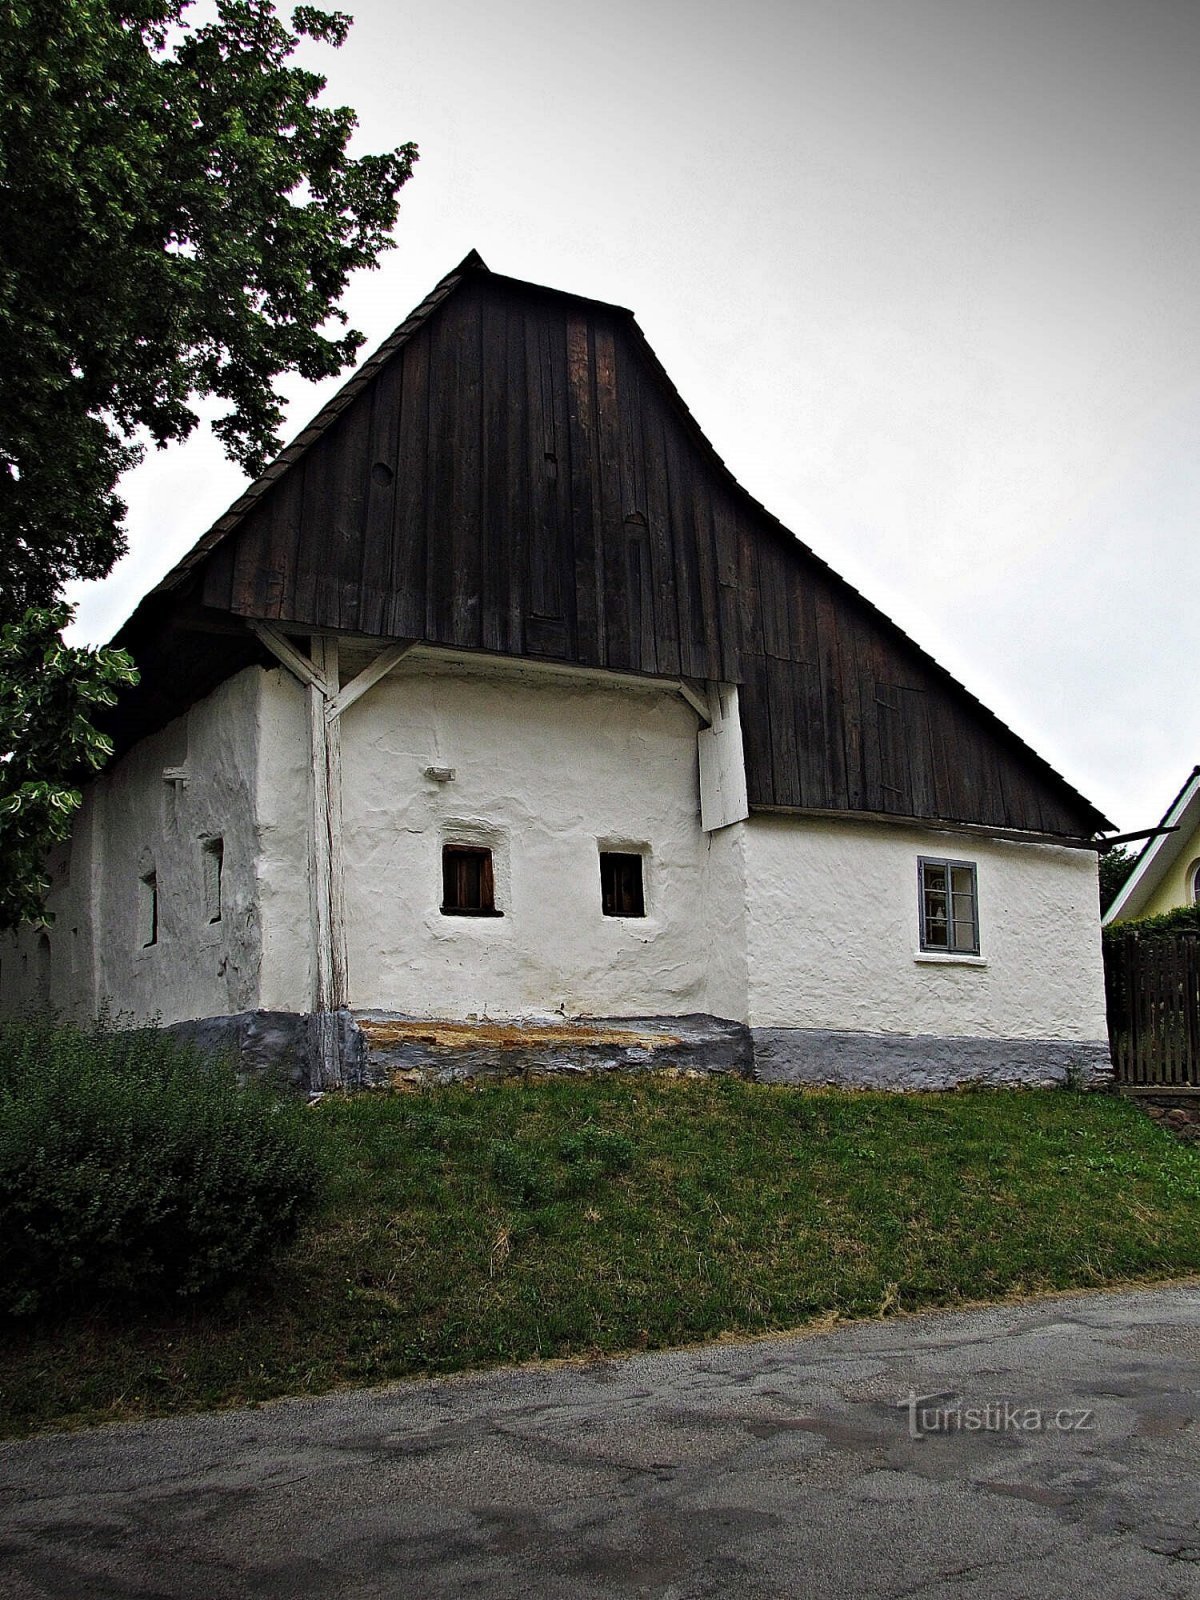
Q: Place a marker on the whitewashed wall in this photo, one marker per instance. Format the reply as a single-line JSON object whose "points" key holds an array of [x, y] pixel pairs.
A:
{"points": [[133, 822], [804, 926], [549, 769], [834, 941]]}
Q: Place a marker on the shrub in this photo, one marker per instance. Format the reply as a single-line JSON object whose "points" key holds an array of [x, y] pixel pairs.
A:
{"points": [[130, 1165], [1182, 919]]}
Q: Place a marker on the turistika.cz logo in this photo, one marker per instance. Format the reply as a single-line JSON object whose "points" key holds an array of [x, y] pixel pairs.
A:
{"points": [[993, 1416]]}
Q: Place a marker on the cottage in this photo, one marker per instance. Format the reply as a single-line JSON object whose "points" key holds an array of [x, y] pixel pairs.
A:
{"points": [[498, 697], [1166, 874]]}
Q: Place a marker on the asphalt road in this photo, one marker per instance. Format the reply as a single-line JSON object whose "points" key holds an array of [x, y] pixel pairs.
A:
{"points": [[782, 1467]]}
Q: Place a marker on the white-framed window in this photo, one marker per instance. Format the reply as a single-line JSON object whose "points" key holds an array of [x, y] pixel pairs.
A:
{"points": [[1194, 883], [948, 906], [213, 860]]}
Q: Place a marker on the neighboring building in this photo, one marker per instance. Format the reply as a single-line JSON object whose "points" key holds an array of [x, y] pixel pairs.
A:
{"points": [[1167, 872], [498, 696]]}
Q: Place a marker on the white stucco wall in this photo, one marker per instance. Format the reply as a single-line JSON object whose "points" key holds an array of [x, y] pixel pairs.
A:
{"points": [[549, 769], [283, 799], [781, 922], [133, 822], [834, 942]]}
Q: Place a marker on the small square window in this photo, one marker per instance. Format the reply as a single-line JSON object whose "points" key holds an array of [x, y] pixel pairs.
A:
{"points": [[468, 882], [621, 890], [949, 907], [214, 867], [148, 909]]}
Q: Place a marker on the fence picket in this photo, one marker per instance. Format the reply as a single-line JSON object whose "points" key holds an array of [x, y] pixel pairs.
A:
{"points": [[1152, 992]]}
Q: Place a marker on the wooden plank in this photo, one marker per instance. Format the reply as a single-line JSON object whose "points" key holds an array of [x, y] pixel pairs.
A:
{"points": [[583, 468], [383, 467], [546, 461], [497, 536], [217, 583], [613, 577], [349, 478], [406, 612], [663, 559], [466, 435], [785, 766], [446, 356]]}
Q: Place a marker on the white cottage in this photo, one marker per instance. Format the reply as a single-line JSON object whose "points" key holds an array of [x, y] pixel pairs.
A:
{"points": [[497, 698]]}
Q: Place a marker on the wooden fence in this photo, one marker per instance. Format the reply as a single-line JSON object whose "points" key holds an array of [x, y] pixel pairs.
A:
{"points": [[1153, 988]]}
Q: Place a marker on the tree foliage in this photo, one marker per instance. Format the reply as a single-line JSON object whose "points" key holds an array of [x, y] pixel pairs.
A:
{"points": [[48, 695], [1115, 866], [178, 218]]}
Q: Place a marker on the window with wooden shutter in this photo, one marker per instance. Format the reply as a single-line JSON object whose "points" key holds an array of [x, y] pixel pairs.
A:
{"points": [[622, 892], [468, 882]]}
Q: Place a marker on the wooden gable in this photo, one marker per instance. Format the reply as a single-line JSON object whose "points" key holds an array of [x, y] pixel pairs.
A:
{"points": [[514, 473]]}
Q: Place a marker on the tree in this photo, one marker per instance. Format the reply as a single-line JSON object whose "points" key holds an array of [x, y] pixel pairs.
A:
{"points": [[178, 219], [1115, 866]]}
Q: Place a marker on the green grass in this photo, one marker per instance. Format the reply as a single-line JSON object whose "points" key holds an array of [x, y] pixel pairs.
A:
{"points": [[466, 1227]]}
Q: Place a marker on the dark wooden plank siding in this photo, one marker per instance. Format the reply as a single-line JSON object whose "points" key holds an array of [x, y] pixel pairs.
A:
{"points": [[519, 478]]}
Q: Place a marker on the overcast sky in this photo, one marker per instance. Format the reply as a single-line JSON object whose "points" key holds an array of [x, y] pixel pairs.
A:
{"points": [[925, 271]]}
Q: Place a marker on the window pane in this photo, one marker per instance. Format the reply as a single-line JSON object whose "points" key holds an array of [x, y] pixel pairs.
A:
{"points": [[949, 918]]}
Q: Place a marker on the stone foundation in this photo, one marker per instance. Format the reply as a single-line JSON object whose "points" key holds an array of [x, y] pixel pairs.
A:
{"points": [[381, 1049], [407, 1052], [1180, 1114]]}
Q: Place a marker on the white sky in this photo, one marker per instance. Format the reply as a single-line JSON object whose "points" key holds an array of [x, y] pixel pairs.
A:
{"points": [[926, 272]]}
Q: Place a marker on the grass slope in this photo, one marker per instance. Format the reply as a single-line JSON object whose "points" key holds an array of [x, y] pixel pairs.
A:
{"points": [[464, 1227]]}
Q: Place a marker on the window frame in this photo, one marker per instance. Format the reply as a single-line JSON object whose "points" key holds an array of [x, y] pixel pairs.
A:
{"points": [[949, 865], [625, 857], [452, 848]]}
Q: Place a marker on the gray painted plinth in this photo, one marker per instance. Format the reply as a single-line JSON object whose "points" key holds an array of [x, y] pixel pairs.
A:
{"points": [[924, 1061], [687, 1044]]}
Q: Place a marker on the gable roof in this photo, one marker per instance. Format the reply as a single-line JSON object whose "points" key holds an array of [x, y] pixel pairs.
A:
{"points": [[513, 470], [1160, 854]]}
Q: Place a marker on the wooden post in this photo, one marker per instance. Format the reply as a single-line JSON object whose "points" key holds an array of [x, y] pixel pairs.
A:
{"points": [[325, 1055], [327, 878]]}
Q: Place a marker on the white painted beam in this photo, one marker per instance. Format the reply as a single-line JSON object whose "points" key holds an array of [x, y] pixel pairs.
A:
{"points": [[723, 795], [284, 651], [366, 679], [696, 700]]}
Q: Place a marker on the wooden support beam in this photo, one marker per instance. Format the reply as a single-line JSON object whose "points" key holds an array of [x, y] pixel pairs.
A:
{"points": [[285, 651], [366, 679], [338, 963], [696, 700]]}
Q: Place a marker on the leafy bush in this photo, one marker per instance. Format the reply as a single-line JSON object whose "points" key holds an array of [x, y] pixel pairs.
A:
{"points": [[130, 1165], [1181, 919]]}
